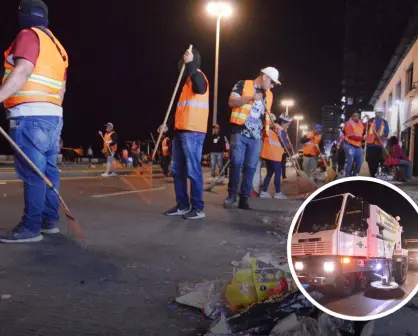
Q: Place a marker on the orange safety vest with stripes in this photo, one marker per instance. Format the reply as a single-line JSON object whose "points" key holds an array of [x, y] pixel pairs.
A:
{"points": [[165, 148], [240, 114], [272, 147], [47, 79], [371, 138], [192, 112], [108, 137], [310, 148], [353, 128]]}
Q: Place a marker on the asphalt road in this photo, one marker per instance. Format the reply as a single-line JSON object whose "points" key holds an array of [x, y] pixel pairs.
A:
{"points": [[370, 302], [125, 281]]}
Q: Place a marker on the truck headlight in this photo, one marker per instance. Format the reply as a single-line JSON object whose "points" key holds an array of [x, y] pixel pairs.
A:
{"points": [[329, 266], [298, 266]]}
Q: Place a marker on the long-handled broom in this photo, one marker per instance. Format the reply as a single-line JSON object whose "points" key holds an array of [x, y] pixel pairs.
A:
{"points": [[364, 169], [74, 227], [216, 180], [169, 107]]}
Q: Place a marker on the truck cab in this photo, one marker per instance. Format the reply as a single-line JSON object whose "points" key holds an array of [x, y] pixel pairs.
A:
{"points": [[343, 241]]}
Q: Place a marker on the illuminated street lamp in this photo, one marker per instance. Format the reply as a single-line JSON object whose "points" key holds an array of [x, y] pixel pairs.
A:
{"points": [[220, 10], [303, 128], [298, 118], [287, 103]]}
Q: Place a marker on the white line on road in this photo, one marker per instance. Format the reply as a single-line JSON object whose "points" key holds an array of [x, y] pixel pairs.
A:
{"points": [[128, 192], [3, 183], [381, 308]]}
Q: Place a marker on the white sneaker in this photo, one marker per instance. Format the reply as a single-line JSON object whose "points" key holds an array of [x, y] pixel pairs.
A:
{"points": [[113, 174], [265, 194], [221, 179], [104, 175], [280, 195]]}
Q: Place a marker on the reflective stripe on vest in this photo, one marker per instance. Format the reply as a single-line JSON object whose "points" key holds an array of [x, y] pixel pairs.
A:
{"points": [[192, 111], [108, 137], [357, 130], [47, 79], [371, 136]]}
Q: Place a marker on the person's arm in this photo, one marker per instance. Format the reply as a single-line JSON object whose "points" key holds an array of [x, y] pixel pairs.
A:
{"points": [[199, 84], [114, 139], [25, 53], [236, 99]]}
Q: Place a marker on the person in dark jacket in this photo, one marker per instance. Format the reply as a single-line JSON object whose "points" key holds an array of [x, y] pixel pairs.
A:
{"points": [[216, 149]]}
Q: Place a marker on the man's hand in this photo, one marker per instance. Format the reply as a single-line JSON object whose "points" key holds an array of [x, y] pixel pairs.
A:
{"points": [[188, 57], [165, 130], [258, 96], [101, 133]]}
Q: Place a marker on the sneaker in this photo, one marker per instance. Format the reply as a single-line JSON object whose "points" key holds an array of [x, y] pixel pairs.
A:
{"points": [[265, 194], [280, 195], [229, 202], [20, 235], [49, 229], [221, 180], [195, 214], [113, 174], [243, 204], [105, 175], [254, 194], [177, 211]]}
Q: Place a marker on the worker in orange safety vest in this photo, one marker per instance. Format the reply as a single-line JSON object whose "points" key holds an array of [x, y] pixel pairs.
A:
{"points": [[190, 128], [165, 155], [32, 92], [250, 100], [353, 139], [312, 146], [377, 134], [110, 146], [272, 152]]}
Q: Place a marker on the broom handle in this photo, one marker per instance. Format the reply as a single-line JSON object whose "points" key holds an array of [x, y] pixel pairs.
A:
{"points": [[26, 158], [387, 153], [170, 106]]}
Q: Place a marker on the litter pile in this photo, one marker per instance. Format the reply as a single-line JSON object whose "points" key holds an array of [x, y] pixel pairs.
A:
{"points": [[262, 299]]}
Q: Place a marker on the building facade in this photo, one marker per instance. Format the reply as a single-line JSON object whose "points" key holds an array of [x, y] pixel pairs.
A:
{"points": [[397, 92], [373, 30], [331, 120]]}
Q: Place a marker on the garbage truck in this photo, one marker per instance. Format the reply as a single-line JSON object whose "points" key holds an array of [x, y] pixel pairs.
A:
{"points": [[345, 242], [412, 246]]}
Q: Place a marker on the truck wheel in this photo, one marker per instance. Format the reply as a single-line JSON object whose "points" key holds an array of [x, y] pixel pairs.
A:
{"points": [[400, 272], [345, 285]]}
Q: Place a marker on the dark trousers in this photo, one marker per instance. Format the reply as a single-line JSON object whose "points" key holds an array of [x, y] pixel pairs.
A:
{"points": [[284, 161], [341, 161], [373, 157], [165, 163]]}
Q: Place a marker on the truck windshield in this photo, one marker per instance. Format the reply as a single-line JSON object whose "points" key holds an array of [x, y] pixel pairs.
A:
{"points": [[321, 215]]}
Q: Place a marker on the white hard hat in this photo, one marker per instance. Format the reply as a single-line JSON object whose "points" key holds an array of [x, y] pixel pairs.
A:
{"points": [[273, 73]]}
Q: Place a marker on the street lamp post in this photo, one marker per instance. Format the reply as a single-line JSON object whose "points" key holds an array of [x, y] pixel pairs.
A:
{"points": [[287, 103], [218, 9], [298, 118]]}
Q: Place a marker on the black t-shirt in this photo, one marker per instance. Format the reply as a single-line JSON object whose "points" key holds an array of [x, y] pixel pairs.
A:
{"points": [[217, 143]]}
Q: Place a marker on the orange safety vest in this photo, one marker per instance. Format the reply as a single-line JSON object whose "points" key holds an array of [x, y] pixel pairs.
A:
{"points": [[310, 148], [371, 138], [108, 137], [240, 114], [272, 148], [192, 112], [353, 128], [165, 147], [47, 79]]}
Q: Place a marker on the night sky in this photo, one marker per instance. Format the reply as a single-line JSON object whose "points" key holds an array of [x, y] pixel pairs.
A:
{"points": [[382, 196], [124, 55]]}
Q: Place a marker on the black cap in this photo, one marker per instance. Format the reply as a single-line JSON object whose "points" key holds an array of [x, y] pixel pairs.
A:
{"points": [[34, 7]]}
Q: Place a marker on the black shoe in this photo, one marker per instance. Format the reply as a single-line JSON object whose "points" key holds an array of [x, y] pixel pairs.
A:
{"points": [[177, 211], [229, 202], [195, 214], [243, 204]]}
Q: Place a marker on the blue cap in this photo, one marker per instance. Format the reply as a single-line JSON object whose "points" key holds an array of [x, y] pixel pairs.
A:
{"points": [[318, 127]]}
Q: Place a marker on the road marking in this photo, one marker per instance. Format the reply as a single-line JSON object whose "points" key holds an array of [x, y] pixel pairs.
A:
{"points": [[127, 192], [382, 307], [3, 183]]}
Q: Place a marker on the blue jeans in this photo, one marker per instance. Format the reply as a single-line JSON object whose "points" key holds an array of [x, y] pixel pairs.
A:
{"points": [[216, 159], [245, 153], [186, 163], [353, 155], [273, 168], [408, 168], [38, 137]]}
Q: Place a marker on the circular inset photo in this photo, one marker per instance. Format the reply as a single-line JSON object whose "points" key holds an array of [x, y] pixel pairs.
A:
{"points": [[353, 248]]}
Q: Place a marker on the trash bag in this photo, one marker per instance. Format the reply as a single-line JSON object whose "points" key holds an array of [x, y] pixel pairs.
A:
{"points": [[257, 278]]}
